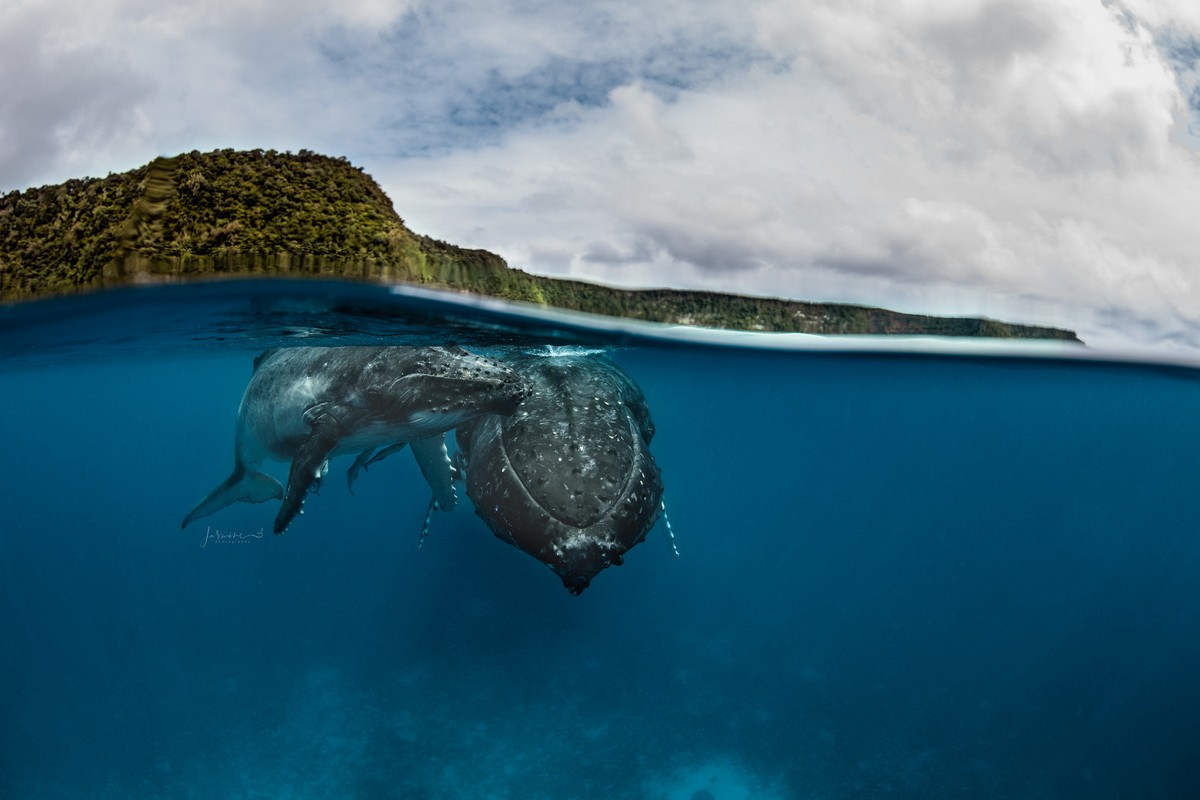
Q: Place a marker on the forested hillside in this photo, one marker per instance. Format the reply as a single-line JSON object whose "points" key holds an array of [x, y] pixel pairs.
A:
{"points": [[263, 212]]}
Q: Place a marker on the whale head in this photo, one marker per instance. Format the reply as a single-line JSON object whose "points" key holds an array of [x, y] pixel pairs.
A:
{"points": [[442, 387], [568, 478]]}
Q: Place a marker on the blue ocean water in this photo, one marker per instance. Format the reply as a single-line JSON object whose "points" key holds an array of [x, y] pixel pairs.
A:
{"points": [[901, 574]]}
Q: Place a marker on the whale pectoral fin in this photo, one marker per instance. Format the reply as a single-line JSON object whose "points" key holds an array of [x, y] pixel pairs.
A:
{"points": [[434, 461], [458, 466], [360, 463], [307, 467], [365, 459], [322, 471], [428, 525], [243, 486], [385, 452]]}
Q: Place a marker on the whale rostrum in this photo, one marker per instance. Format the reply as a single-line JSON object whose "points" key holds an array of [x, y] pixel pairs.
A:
{"points": [[568, 478], [307, 404]]}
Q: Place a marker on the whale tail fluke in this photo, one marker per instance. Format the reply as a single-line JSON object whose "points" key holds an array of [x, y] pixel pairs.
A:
{"points": [[243, 486]]}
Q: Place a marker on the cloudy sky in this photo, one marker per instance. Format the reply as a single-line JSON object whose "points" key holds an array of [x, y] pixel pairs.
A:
{"points": [[1030, 160]]}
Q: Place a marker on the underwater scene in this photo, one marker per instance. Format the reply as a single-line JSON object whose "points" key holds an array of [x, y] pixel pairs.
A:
{"points": [[529, 555]]}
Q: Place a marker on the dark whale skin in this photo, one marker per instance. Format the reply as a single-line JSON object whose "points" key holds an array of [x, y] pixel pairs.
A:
{"points": [[307, 404], [569, 477]]}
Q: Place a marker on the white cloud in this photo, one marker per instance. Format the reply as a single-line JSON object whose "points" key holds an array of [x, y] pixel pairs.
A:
{"points": [[1061, 85], [58, 99], [906, 156], [1027, 160]]}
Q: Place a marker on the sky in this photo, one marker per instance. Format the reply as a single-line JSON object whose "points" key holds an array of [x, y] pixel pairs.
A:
{"points": [[1028, 160]]}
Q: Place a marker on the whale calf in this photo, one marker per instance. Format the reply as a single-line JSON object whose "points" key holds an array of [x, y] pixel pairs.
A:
{"points": [[568, 477], [306, 404]]}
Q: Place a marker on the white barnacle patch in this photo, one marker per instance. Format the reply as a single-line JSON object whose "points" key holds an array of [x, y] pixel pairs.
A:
{"points": [[582, 539]]}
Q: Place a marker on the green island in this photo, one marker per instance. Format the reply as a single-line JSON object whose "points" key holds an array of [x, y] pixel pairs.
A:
{"points": [[262, 212]]}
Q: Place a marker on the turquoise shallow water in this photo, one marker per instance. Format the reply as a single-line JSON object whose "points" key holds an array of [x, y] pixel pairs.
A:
{"points": [[901, 574]]}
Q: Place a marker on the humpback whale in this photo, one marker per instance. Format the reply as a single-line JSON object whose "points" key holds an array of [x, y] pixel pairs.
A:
{"points": [[568, 478], [306, 404]]}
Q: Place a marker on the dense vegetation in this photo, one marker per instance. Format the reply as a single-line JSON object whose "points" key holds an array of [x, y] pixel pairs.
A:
{"points": [[262, 212]]}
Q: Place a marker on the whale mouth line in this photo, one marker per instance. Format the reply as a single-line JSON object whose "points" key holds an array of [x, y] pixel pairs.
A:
{"points": [[568, 478], [611, 500]]}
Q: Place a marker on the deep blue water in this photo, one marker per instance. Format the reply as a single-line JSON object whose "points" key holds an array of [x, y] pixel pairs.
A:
{"points": [[901, 575]]}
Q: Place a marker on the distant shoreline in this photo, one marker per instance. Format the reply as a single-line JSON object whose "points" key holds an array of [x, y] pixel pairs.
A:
{"points": [[263, 213]]}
